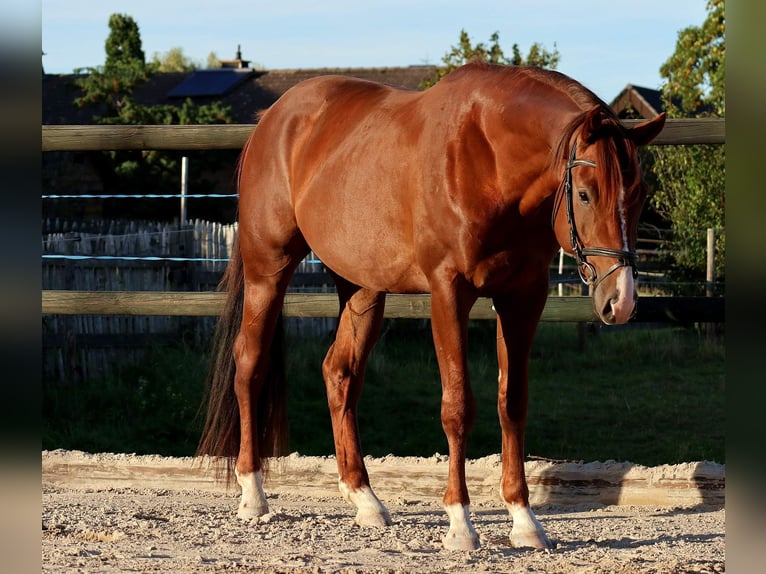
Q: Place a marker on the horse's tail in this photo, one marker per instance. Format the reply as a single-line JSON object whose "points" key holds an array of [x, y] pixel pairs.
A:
{"points": [[221, 432]]}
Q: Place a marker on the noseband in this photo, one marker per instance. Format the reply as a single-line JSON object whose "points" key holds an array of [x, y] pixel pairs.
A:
{"points": [[586, 269]]}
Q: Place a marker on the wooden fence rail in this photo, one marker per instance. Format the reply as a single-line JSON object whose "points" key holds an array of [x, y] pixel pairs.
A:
{"points": [[561, 309], [233, 136]]}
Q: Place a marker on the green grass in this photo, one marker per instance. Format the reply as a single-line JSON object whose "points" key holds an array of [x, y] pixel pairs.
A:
{"points": [[645, 395], [149, 408]]}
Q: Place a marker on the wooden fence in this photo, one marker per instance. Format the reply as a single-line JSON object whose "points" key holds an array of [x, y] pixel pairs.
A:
{"points": [[233, 136], [140, 257], [157, 260], [108, 301]]}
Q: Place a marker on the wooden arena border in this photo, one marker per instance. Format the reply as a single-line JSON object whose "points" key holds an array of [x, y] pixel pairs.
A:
{"points": [[565, 483]]}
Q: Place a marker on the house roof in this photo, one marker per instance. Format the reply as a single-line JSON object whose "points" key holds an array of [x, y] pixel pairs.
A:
{"points": [[255, 90], [645, 102], [248, 96]]}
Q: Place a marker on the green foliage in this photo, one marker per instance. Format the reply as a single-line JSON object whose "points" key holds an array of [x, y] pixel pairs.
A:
{"points": [[174, 60], [646, 395], [213, 61], [691, 195], [465, 51], [690, 180], [123, 45], [110, 90], [696, 70], [145, 408]]}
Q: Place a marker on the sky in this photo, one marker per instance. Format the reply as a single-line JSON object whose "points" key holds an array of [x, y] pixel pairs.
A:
{"points": [[603, 44]]}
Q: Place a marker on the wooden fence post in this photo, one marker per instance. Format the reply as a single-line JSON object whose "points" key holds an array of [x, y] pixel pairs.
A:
{"points": [[710, 273], [184, 186], [710, 279]]}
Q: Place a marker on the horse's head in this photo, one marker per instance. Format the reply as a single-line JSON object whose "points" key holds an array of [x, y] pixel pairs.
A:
{"points": [[598, 206]]}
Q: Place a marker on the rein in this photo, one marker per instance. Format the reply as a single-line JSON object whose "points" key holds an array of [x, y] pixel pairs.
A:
{"points": [[586, 269]]}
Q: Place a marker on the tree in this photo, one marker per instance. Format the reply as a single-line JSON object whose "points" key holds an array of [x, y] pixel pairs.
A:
{"points": [[123, 45], [465, 51], [695, 71], [110, 86], [690, 180], [213, 61], [174, 60], [110, 89]]}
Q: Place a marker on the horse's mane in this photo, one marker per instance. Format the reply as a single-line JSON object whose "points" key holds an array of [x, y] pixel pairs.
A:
{"points": [[615, 165], [574, 90], [616, 168]]}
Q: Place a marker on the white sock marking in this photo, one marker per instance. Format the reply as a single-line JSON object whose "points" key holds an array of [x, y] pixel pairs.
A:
{"points": [[460, 522], [370, 510], [524, 519], [253, 500], [363, 498]]}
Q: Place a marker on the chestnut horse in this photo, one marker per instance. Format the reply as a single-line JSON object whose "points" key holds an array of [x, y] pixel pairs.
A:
{"points": [[464, 190]]}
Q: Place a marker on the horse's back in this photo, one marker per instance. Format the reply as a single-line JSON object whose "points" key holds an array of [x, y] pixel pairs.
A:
{"points": [[330, 118]]}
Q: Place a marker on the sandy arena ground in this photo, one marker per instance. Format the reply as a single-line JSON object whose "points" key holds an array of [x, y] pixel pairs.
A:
{"points": [[118, 513]]}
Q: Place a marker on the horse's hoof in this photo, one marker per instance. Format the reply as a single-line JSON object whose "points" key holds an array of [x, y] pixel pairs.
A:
{"points": [[246, 512], [372, 518], [531, 540], [464, 543]]}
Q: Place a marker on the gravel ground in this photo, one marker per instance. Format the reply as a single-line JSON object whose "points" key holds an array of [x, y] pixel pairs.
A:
{"points": [[95, 518]]}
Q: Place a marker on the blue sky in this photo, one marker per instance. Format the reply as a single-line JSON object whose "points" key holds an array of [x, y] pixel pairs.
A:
{"points": [[603, 44]]}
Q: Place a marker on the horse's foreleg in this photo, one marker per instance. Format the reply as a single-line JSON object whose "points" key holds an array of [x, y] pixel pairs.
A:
{"points": [[449, 320], [262, 306], [516, 326], [343, 369]]}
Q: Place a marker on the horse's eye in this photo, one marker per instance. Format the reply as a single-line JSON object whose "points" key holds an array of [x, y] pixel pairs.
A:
{"points": [[583, 195]]}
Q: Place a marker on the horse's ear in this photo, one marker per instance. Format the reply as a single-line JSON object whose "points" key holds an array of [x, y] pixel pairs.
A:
{"points": [[592, 124], [643, 133]]}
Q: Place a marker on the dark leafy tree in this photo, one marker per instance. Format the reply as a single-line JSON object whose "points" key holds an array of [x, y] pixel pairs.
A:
{"points": [[123, 45], [690, 180], [110, 91]]}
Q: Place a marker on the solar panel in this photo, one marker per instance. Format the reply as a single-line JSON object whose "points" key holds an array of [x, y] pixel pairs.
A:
{"points": [[208, 83]]}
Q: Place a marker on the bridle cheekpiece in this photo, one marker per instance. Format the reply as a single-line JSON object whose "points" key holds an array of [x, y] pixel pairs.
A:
{"points": [[586, 269]]}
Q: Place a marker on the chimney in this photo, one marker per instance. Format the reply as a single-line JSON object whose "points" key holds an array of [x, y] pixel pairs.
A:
{"points": [[237, 62]]}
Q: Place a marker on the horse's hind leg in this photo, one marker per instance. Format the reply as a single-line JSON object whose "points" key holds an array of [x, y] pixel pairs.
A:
{"points": [[343, 369], [263, 300], [262, 306]]}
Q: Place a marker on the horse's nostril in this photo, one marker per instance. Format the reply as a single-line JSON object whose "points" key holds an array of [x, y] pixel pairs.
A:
{"points": [[607, 313]]}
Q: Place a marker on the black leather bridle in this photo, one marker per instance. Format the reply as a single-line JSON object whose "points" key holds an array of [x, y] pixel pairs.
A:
{"points": [[586, 269]]}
